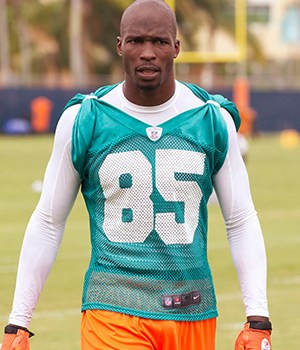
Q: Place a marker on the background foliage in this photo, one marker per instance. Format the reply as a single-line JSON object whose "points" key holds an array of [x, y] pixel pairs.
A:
{"points": [[77, 38]]}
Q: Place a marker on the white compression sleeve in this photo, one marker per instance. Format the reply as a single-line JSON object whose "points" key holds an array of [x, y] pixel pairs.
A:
{"points": [[243, 227], [46, 225]]}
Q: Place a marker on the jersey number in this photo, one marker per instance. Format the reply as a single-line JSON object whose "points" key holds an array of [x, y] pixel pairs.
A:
{"points": [[135, 197]]}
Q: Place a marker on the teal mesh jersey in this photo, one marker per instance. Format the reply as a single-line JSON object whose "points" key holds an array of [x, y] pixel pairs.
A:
{"points": [[146, 190]]}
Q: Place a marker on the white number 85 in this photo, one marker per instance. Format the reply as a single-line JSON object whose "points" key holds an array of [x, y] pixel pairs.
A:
{"points": [[136, 197]]}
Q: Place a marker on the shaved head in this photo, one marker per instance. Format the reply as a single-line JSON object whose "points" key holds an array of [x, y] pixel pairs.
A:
{"points": [[156, 5], [148, 46]]}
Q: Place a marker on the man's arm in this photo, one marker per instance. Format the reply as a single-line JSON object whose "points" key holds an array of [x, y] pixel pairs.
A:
{"points": [[46, 225], [244, 232]]}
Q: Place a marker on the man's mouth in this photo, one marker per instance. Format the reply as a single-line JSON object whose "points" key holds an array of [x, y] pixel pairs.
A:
{"points": [[148, 70]]}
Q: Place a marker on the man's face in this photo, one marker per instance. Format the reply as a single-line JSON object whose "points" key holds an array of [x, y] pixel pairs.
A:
{"points": [[148, 47]]}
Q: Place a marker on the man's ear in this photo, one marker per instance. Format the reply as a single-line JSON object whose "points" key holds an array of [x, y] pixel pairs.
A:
{"points": [[176, 48], [119, 46]]}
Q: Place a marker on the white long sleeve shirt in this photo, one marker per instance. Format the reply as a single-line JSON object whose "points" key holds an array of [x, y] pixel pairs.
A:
{"points": [[61, 185]]}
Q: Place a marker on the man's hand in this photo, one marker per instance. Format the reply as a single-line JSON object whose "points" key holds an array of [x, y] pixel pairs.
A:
{"points": [[254, 336], [15, 338]]}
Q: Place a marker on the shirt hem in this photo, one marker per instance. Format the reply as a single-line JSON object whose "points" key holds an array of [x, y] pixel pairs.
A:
{"points": [[153, 316]]}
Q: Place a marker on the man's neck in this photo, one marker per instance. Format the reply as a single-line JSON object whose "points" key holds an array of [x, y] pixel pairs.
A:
{"points": [[148, 97]]}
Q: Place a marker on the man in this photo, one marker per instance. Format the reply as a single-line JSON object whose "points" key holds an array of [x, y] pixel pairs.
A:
{"points": [[146, 153]]}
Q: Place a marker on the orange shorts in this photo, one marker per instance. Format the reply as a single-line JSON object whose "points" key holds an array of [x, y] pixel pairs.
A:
{"points": [[106, 330]]}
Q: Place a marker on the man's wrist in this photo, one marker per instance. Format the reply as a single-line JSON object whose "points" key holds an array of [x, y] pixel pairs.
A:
{"points": [[257, 318], [259, 322], [261, 325], [13, 329]]}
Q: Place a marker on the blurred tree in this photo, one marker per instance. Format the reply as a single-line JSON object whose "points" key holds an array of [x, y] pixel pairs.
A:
{"points": [[77, 61], [48, 31], [76, 37], [102, 27], [36, 37], [194, 14], [22, 37], [4, 44]]}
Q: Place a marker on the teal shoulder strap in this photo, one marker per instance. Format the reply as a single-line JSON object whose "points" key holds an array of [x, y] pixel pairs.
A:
{"points": [[221, 100], [84, 124], [79, 98]]}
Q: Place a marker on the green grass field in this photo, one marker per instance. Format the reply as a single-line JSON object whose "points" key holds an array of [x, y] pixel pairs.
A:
{"points": [[274, 173]]}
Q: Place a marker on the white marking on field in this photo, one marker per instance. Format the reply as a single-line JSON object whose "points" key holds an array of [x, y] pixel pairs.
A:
{"points": [[54, 314], [282, 213], [8, 268], [8, 264], [232, 326], [288, 280], [6, 259], [218, 245], [57, 314], [228, 296]]}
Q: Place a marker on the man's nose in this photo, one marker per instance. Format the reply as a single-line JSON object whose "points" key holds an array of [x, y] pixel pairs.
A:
{"points": [[148, 51]]}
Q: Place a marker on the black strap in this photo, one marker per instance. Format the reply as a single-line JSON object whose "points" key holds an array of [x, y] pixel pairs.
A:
{"points": [[13, 329], [261, 325]]}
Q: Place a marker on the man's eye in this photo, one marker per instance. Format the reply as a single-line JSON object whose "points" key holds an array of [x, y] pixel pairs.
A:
{"points": [[160, 42], [135, 41]]}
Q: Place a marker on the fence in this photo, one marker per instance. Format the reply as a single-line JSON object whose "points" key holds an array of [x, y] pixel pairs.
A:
{"points": [[275, 110]]}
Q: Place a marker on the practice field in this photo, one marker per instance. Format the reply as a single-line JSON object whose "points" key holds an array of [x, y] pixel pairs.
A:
{"points": [[274, 172]]}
